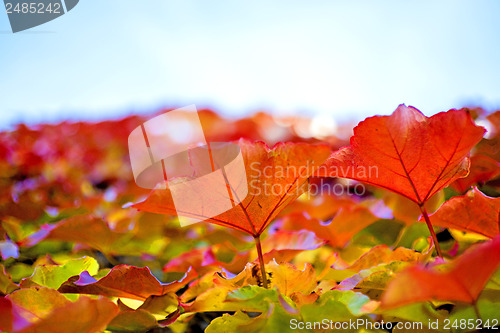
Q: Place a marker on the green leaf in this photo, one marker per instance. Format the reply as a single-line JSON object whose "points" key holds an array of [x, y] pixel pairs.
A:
{"points": [[417, 312], [276, 319], [239, 322], [375, 277], [161, 305], [6, 284], [133, 321], [278, 314], [253, 298], [381, 232], [412, 234], [488, 307], [53, 276], [336, 305]]}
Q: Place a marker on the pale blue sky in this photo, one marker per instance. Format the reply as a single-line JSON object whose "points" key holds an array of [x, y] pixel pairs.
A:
{"points": [[349, 59]]}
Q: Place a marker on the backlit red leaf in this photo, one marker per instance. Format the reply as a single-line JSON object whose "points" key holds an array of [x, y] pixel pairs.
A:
{"points": [[275, 178], [407, 152]]}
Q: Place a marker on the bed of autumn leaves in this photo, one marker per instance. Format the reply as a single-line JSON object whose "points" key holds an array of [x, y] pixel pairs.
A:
{"points": [[84, 249]]}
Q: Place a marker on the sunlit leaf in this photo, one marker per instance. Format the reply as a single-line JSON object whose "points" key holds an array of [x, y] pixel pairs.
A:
{"points": [[463, 281], [473, 211]]}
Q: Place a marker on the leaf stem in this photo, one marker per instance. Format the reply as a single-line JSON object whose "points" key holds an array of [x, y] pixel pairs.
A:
{"points": [[261, 260], [431, 230], [476, 307], [476, 310]]}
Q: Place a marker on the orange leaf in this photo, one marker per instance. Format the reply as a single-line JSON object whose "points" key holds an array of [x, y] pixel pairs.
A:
{"points": [[482, 169], [473, 211], [275, 178], [85, 229], [464, 281], [383, 254], [204, 260], [407, 152], [285, 245], [289, 280], [83, 316], [322, 207], [124, 281], [348, 221], [494, 119]]}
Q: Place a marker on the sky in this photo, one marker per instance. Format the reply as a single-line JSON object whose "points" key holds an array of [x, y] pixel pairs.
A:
{"points": [[341, 59]]}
